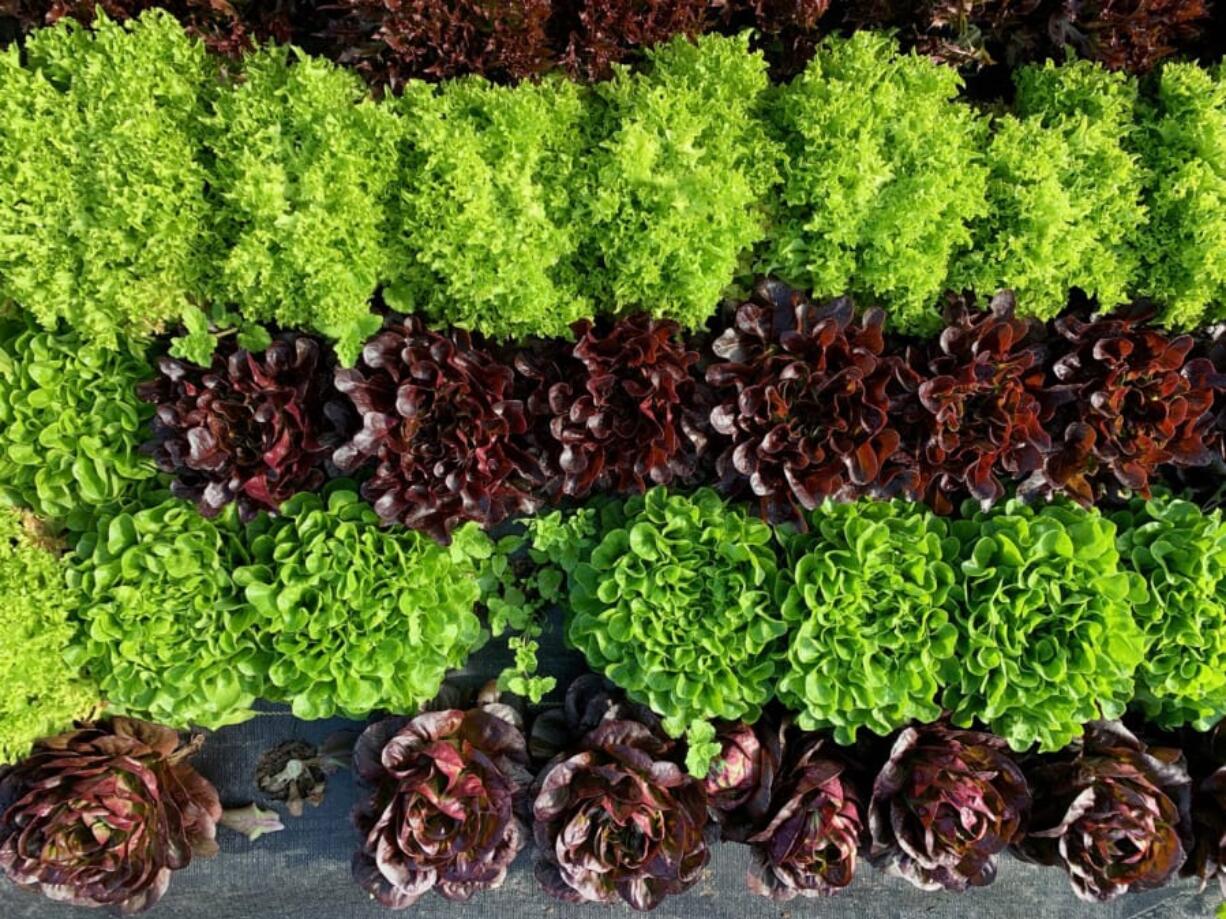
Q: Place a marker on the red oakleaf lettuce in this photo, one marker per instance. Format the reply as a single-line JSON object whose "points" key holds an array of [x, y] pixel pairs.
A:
{"points": [[1128, 400], [620, 411], [806, 399], [983, 407], [440, 420], [251, 428]]}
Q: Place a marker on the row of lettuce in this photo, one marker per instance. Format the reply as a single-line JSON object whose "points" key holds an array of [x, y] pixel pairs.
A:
{"points": [[390, 43], [1029, 620], [937, 806], [144, 186], [791, 403]]}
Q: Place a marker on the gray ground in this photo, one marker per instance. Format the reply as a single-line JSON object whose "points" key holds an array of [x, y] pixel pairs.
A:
{"points": [[303, 872]]}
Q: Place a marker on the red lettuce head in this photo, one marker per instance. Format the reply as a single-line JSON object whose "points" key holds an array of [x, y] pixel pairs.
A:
{"points": [[807, 842], [443, 812], [256, 429], [1129, 401], [619, 411], [1206, 752], [604, 32], [743, 775], [1110, 811], [619, 818], [806, 397], [440, 420], [983, 408], [945, 805], [104, 814]]}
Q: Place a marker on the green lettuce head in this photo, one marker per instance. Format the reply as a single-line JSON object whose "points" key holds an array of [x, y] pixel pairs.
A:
{"points": [[70, 423], [676, 604], [1180, 551], [1046, 635], [871, 612], [355, 616], [165, 630], [40, 693]]}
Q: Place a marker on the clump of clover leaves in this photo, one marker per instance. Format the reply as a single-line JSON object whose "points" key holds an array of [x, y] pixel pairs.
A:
{"points": [[673, 598], [165, 631], [40, 693], [355, 616], [1180, 551], [870, 608], [70, 423], [1046, 635]]}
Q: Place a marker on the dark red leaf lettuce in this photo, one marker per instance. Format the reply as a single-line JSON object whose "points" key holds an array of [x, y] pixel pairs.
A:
{"points": [[619, 818], [807, 402], [443, 815], [600, 33], [945, 804], [104, 814], [1128, 400], [620, 411], [392, 41], [440, 420], [225, 26], [983, 405], [251, 428], [1111, 812]]}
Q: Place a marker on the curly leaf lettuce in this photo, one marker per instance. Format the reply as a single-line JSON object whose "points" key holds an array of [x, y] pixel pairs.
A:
{"points": [[881, 175], [486, 238], [303, 164], [671, 186], [102, 204], [1064, 193]]}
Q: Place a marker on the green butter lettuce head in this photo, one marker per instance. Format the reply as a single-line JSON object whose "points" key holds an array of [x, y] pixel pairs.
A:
{"points": [[870, 609], [671, 190], [1046, 635], [676, 605], [486, 239], [166, 631], [101, 186], [303, 163], [40, 692], [881, 175], [70, 423], [354, 616], [1180, 551], [1183, 146], [1065, 204]]}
